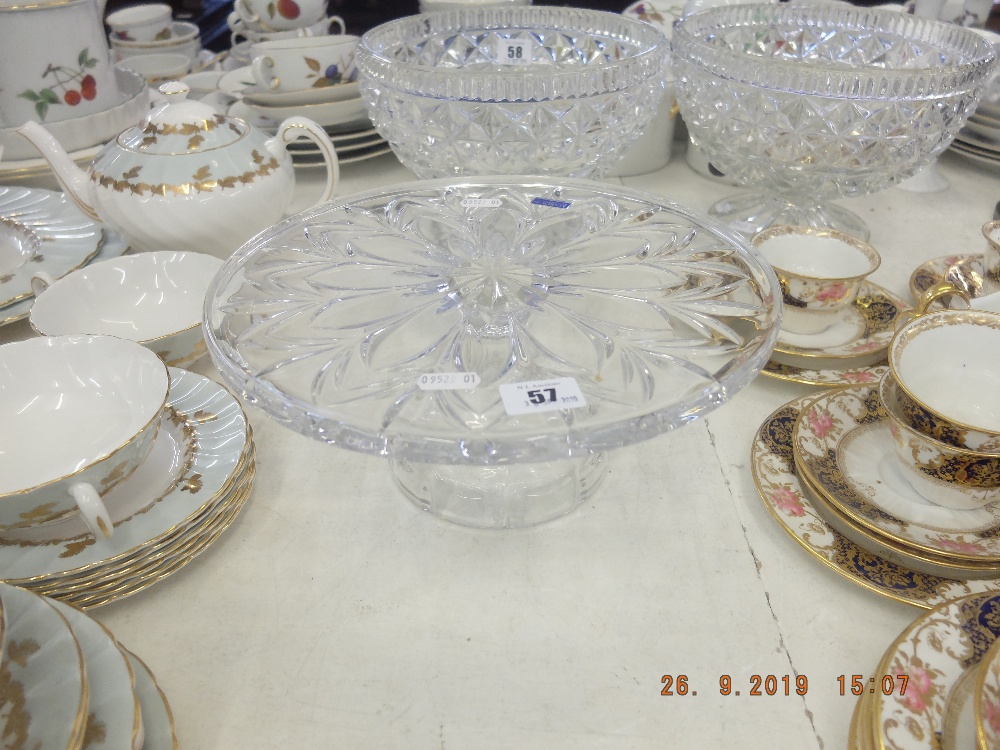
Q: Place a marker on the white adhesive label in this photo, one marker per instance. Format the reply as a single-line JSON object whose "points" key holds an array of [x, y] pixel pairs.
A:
{"points": [[448, 381], [481, 203], [541, 395], [514, 52]]}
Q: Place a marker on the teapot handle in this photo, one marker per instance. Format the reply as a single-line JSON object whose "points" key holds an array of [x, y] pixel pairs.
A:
{"points": [[300, 127]]}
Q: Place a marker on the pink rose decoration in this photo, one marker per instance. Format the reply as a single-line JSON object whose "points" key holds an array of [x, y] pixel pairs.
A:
{"points": [[787, 502], [832, 293], [859, 376], [992, 715], [820, 423], [917, 688], [866, 346], [960, 546]]}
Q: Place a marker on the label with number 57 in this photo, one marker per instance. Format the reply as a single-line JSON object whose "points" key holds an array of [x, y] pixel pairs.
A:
{"points": [[541, 395]]}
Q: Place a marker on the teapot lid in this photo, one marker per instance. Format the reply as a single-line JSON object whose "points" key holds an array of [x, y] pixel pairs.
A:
{"points": [[182, 126]]}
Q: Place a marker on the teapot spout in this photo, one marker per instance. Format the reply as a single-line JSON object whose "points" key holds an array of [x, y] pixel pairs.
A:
{"points": [[71, 177]]}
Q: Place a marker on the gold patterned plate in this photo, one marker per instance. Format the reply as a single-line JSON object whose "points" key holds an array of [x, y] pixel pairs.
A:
{"points": [[863, 332], [938, 654], [43, 703], [843, 449], [965, 271], [826, 378], [781, 490], [206, 440], [158, 719], [987, 700]]}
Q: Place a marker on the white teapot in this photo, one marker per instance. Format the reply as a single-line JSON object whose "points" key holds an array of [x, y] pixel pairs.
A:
{"points": [[187, 177]]}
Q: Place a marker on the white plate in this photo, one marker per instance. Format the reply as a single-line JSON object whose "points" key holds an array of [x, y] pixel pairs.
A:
{"points": [[113, 717], [157, 719], [188, 471], [43, 671], [338, 93], [329, 114], [350, 159], [62, 238]]}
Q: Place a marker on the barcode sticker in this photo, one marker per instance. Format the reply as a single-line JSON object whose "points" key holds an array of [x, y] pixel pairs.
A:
{"points": [[448, 381], [551, 203], [481, 203]]}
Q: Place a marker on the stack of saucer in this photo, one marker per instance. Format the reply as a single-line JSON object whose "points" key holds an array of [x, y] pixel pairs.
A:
{"points": [[849, 343], [146, 39], [937, 685], [68, 682], [42, 231], [188, 490]]}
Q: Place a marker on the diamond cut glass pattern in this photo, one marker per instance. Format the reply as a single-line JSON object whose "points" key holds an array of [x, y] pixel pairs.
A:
{"points": [[579, 88], [328, 321]]}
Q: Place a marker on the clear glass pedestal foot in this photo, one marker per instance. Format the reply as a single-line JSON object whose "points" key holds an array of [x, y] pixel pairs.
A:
{"points": [[500, 497], [750, 213]]}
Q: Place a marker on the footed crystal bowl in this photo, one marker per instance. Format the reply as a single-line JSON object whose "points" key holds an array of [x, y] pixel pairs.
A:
{"points": [[517, 90], [817, 101], [496, 337]]}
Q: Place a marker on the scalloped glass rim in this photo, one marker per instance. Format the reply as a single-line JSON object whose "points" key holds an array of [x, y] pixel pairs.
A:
{"points": [[510, 83], [473, 448], [692, 45]]}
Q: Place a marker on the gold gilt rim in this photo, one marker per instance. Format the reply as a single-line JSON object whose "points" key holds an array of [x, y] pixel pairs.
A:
{"points": [[163, 696], [802, 469], [80, 721], [958, 317], [83, 261], [141, 433], [991, 655], [144, 342], [829, 384], [870, 253], [886, 660], [959, 260], [38, 6], [799, 404], [137, 709]]}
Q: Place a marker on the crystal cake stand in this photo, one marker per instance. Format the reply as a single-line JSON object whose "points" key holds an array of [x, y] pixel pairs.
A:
{"points": [[492, 337]]}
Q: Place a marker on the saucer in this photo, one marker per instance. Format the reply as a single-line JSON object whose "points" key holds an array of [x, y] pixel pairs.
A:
{"points": [[939, 653], [61, 238], [111, 246], [826, 378], [157, 718], [965, 271], [865, 329], [328, 114], [197, 452], [843, 450], [779, 487], [45, 682], [338, 93], [987, 698], [114, 719]]}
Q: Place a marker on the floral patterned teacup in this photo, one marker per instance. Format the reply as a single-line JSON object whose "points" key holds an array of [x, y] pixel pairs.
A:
{"points": [[942, 474], [288, 65], [150, 22], [820, 272]]}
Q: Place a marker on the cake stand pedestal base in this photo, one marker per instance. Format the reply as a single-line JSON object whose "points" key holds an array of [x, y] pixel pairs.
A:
{"points": [[750, 213]]}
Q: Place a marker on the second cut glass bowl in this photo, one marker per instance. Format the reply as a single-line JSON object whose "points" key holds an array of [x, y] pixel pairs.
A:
{"points": [[813, 102], [516, 90]]}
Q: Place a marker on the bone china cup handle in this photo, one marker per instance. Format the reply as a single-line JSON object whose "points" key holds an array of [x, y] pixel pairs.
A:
{"points": [[40, 282], [92, 510], [300, 127], [931, 295], [263, 72]]}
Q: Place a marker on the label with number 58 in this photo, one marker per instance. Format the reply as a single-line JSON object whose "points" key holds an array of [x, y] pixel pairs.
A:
{"points": [[514, 51]]}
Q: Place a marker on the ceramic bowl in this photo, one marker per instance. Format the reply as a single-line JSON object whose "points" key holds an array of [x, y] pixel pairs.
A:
{"points": [[186, 41], [154, 299], [181, 31], [159, 68], [141, 23], [949, 379], [80, 415], [940, 473]]}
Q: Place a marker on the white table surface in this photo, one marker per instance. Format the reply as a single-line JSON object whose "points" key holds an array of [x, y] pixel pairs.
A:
{"points": [[335, 614]]}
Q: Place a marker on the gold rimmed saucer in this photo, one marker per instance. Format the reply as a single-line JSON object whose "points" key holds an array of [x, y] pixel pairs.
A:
{"points": [[826, 378], [773, 467], [843, 449], [987, 700], [964, 271]]}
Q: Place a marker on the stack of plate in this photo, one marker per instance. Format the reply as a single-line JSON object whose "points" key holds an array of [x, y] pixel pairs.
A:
{"points": [[339, 110], [849, 352], [196, 479], [979, 140], [938, 684], [69, 684], [41, 230]]}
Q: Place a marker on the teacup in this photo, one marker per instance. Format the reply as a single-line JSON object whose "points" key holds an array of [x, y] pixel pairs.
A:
{"points": [[285, 65], [949, 377], [820, 272], [80, 415], [991, 258], [940, 473], [154, 299], [245, 32], [280, 15], [141, 23], [158, 68]]}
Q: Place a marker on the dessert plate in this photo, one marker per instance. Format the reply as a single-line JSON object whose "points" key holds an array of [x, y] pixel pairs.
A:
{"points": [[843, 449], [780, 488], [113, 717], [40, 230], [43, 673], [326, 114], [987, 699], [157, 719], [965, 271], [826, 378], [111, 246], [191, 466], [865, 329], [310, 161], [938, 653]]}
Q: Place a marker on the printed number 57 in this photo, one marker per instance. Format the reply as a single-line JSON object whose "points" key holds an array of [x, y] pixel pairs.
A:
{"points": [[541, 396]]}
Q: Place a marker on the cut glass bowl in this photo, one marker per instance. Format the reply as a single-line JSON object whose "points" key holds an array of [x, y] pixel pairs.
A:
{"points": [[818, 101], [342, 322], [517, 90]]}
